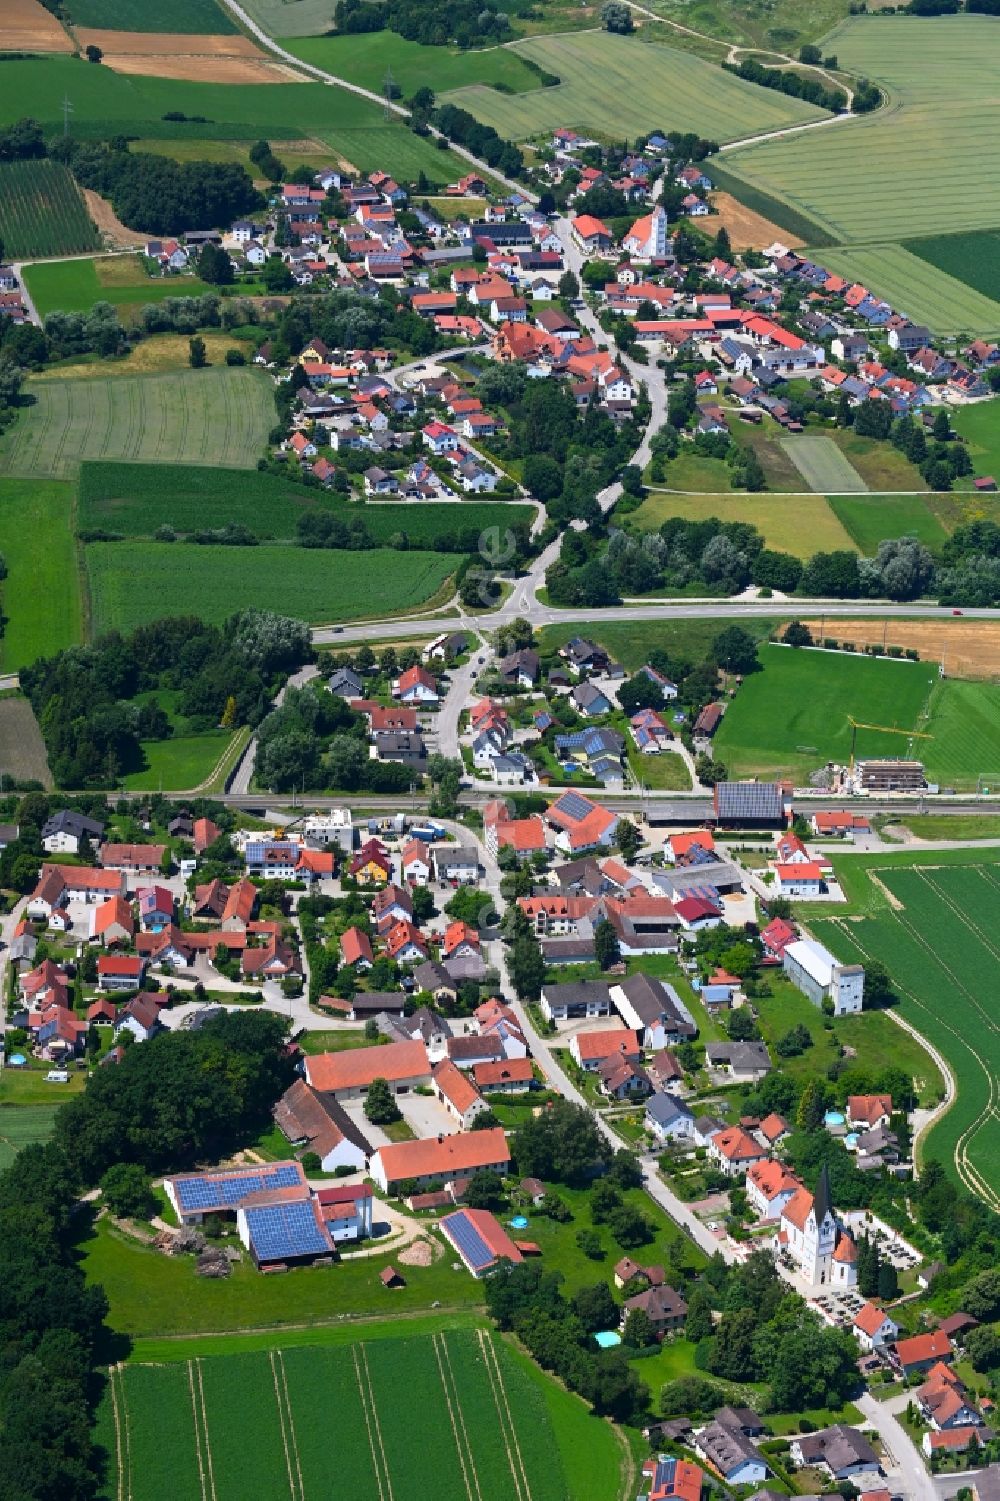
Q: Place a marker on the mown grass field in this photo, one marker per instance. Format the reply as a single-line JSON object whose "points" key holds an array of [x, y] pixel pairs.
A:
{"points": [[214, 416], [42, 211], [491, 1426], [880, 466], [867, 181], [979, 425], [137, 498], [630, 643], [922, 288], [799, 524], [132, 583], [822, 465], [363, 59], [972, 258], [931, 920], [868, 520], [792, 717], [963, 721], [41, 594], [195, 16], [618, 86], [74, 286]]}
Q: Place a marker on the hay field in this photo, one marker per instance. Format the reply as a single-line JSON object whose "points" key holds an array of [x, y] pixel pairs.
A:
{"points": [[191, 416], [799, 524], [822, 465], [914, 286], [22, 749], [26, 26], [871, 180], [197, 59], [969, 648], [615, 86]]}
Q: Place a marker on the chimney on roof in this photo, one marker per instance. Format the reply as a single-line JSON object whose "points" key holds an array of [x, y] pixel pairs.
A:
{"points": [[440, 1138]]}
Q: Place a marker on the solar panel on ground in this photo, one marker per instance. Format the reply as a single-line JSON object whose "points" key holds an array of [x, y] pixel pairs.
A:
{"points": [[204, 1192], [573, 805], [279, 1231], [468, 1240]]}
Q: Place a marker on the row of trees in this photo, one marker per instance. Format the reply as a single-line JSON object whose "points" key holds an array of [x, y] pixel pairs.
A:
{"points": [[435, 23], [787, 81]]}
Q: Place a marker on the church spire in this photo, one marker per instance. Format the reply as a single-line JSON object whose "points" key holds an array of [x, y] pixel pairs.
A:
{"points": [[824, 1199]]}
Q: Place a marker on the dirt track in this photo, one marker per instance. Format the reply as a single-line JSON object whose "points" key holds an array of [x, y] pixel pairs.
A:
{"points": [[110, 226], [26, 26], [970, 648]]}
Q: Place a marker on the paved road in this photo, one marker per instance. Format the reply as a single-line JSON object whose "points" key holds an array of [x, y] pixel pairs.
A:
{"points": [[902, 1457], [239, 783]]}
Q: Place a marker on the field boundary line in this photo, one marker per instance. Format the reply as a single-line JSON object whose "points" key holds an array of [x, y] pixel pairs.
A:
{"points": [[436, 1346], [496, 1382], [281, 1424], [120, 1457], [197, 1430], [366, 1397], [204, 1424], [378, 1425], [291, 1422]]}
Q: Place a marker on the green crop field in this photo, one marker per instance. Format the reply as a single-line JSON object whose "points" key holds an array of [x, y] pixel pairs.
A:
{"points": [[792, 717], [868, 520], [799, 524], [972, 258], [382, 145], [199, 17], [792, 221], [866, 180], [364, 58], [931, 921], [291, 17], [74, 286], [822, 465], [920, 286], [492, 1427], [137, 498], [41, 594], [42, 211], [219, 416], [132, 583], [963, 721], [618, 86], [979, 425], [24, 1125]]}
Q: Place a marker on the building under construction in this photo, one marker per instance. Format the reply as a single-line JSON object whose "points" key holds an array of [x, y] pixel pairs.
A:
{"points": [[892, 776]]}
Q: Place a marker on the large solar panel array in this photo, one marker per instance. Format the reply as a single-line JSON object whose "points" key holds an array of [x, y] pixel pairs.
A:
{"points": [[573, 805], [281, 1231], [468, 1240], [763, 800], [204, 1193]]}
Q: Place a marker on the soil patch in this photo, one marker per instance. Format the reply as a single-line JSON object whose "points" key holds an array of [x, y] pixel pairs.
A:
{"points": [[747, 230], [163, 43], [111, 227], [420, 1253], [26, 26], [203, 69], [969, 648]]}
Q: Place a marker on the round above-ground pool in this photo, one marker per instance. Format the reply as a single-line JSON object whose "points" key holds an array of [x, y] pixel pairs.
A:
{"points": [[17, 1060], [833, 1118], [851, 1140], [608, 1338], [519, 1222]]}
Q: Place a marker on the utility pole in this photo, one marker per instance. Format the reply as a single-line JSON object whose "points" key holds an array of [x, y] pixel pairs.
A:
{"points": [[387, 87]]}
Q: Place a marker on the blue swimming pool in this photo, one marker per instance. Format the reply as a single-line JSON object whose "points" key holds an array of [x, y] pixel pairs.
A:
{"points": [[608, 1338], [833, 1118], [519, 1222]]}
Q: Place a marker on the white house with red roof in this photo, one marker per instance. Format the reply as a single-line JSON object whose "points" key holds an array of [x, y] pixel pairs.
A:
{"points": [[440, 438], [769, 1187], [591, 234], [873, 1328], [802, 879], [415, 686], [734, 1151]]}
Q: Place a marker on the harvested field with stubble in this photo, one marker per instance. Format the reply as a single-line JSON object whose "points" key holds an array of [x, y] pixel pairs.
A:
{"points": [[969, 648], [26, 26], [198, 58], [747, 230], [22, 749]]}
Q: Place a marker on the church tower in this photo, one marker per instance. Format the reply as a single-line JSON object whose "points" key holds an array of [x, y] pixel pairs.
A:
{"points": [[820, 1233]]}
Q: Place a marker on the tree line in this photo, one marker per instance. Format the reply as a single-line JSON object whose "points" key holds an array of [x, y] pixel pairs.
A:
{"points": [[787, 81], [434, 23]]}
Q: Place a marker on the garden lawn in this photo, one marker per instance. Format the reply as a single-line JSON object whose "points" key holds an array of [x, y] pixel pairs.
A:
{"points": [[41, 594], [869, 519], [132, 583], [631, 643], [364, 58], [944, 109], [137, 498], [615, 86], [799, 524], [822, 465], [919, 287], [74, 286], [664, 772], [792, 717], [180, 763], [979, 425], [215, 416]]}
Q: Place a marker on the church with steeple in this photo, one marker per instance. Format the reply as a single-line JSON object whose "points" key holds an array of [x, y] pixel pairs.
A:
{"points": [[824, 1252]]}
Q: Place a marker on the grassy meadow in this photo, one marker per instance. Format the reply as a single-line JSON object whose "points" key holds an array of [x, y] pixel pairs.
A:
{"points": [[799, 524], [868, 520], [122, 280], [41, 594], [364, 58], [822, 464]]}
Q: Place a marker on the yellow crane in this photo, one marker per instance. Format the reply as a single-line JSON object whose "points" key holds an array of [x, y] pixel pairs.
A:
{"points": [[883, 729]]}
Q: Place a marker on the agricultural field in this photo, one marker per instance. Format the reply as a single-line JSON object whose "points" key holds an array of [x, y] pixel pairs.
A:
{"points": [[41, 209], [41, 594], [970, 258], [132, 583], [388, 146], [618, 84], [28, 27], [941, 126], [921, 287], [287, 18], [791, 225], [799, 524], [931, 920], [22, 749], [880, 466], [751, 25], [822, 465], [962, 720], [137, 498], [229, 59], [364, 58], [122, 280], [747, 230], [194, 16], [219, 416], [792, 717], [23, 1126], [979, 425], [496, 1427], [868, 520], [968, 648]]}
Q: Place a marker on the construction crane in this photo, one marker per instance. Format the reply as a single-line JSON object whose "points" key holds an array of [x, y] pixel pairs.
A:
{"points": [[883, 729]]}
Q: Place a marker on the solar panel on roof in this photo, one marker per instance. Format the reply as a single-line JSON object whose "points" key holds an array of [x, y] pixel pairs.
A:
{"points": [[212, 1189], [468, 1241], [573, 805], [283, 1230]]}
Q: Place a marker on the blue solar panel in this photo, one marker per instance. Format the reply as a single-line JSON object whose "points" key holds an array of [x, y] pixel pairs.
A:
{"points": [[468, 1240], [573, 805], [213, 1189], [278, 1231]]}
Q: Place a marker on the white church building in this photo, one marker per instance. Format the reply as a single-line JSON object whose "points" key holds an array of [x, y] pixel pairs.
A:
{"points": [[647, 239], [824, 1253]]}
